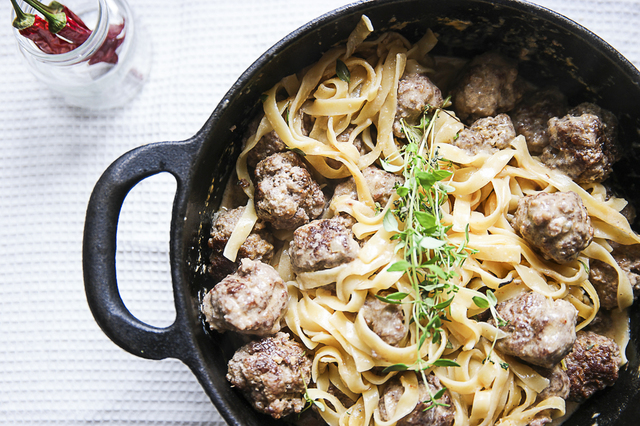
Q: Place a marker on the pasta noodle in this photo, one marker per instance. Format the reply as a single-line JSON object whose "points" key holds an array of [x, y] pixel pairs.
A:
{"points": [[324, 310]]}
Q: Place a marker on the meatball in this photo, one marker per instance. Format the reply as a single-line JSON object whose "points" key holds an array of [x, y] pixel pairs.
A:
{"points": [[286, 196], [323, 244], [415, 93], [385, 319], [530, 117], [487, 135], [250, 301], [272, 373], [268, 145], [628, 258], [607, 118], [541, 419], [422, 414], [487, 87], [559, 384], [381, 184], [604, 278], [557, 225], [583, 144], [592, 365], [357, 141], [257, 246], [539, 330]]}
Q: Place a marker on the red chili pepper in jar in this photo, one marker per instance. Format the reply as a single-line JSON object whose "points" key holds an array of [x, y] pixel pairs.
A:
{"points": [[36, 29], [107, 52], [62, 23]]}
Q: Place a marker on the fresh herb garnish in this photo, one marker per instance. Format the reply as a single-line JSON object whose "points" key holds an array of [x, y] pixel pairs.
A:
{"points": [[309, 402], [342, 71], [489, 301], [429, 258]]}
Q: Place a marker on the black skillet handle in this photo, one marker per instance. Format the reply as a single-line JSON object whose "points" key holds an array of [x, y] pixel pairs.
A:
{"points": [[99, 248]]}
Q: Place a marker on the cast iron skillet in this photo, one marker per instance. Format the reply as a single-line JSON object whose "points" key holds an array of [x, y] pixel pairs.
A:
{"points": [[551, 49]]}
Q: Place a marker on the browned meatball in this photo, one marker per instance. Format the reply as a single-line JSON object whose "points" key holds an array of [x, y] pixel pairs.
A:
{"points": [[592, 365], [607, 118], [357, 141], [385, 319], [531, 115], [628, 258], [487, 87], [487, 135], [539, 330], [286, 196], [323, 244], [250, 301], [583, 144], [381, 184], [415, 93], [557, 225], [440, 415], [257, 246], [268, 145], [272, 373], [559, 384], [344, 137], [605, 280]]}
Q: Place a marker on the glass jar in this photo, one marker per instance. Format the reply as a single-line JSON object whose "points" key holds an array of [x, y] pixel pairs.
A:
{"points": [[93, 75]]}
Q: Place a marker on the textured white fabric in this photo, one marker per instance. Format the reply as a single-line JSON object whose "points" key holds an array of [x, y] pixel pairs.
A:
{"points": [[56, 366]]}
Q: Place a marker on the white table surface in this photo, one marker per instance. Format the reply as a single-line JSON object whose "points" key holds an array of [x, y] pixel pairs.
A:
{"points": [[56, 365]]}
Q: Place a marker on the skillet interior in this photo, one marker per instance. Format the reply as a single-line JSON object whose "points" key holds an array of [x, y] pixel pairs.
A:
{"points": [[551, 49]]}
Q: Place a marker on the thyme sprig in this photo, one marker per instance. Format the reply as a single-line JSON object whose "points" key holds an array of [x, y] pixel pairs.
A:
{"points": [[429, 259]]}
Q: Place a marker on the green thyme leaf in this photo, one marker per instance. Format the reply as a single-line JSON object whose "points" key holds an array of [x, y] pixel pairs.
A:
{"points": [[444, 362], [342, 71], [297, 151], [441, 174], [440, 393], [430, 243], [399, 266], [395, 367], [445, 304], [389, 222], [391, 168], [426, 219], [493, 300], [481, 302], [393, 298], [403, 191]]}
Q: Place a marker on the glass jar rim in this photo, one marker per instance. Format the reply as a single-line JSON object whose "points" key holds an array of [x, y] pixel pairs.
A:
{"points": [[80, 53]]}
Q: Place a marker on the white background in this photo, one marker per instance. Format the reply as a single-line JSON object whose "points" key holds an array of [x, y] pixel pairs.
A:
{"points": [[56, 366]]}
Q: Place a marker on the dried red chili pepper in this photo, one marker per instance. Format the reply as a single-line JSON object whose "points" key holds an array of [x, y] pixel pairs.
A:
{"points": [[107, 52], [61, 7], [62, 23], [36, 29]]}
